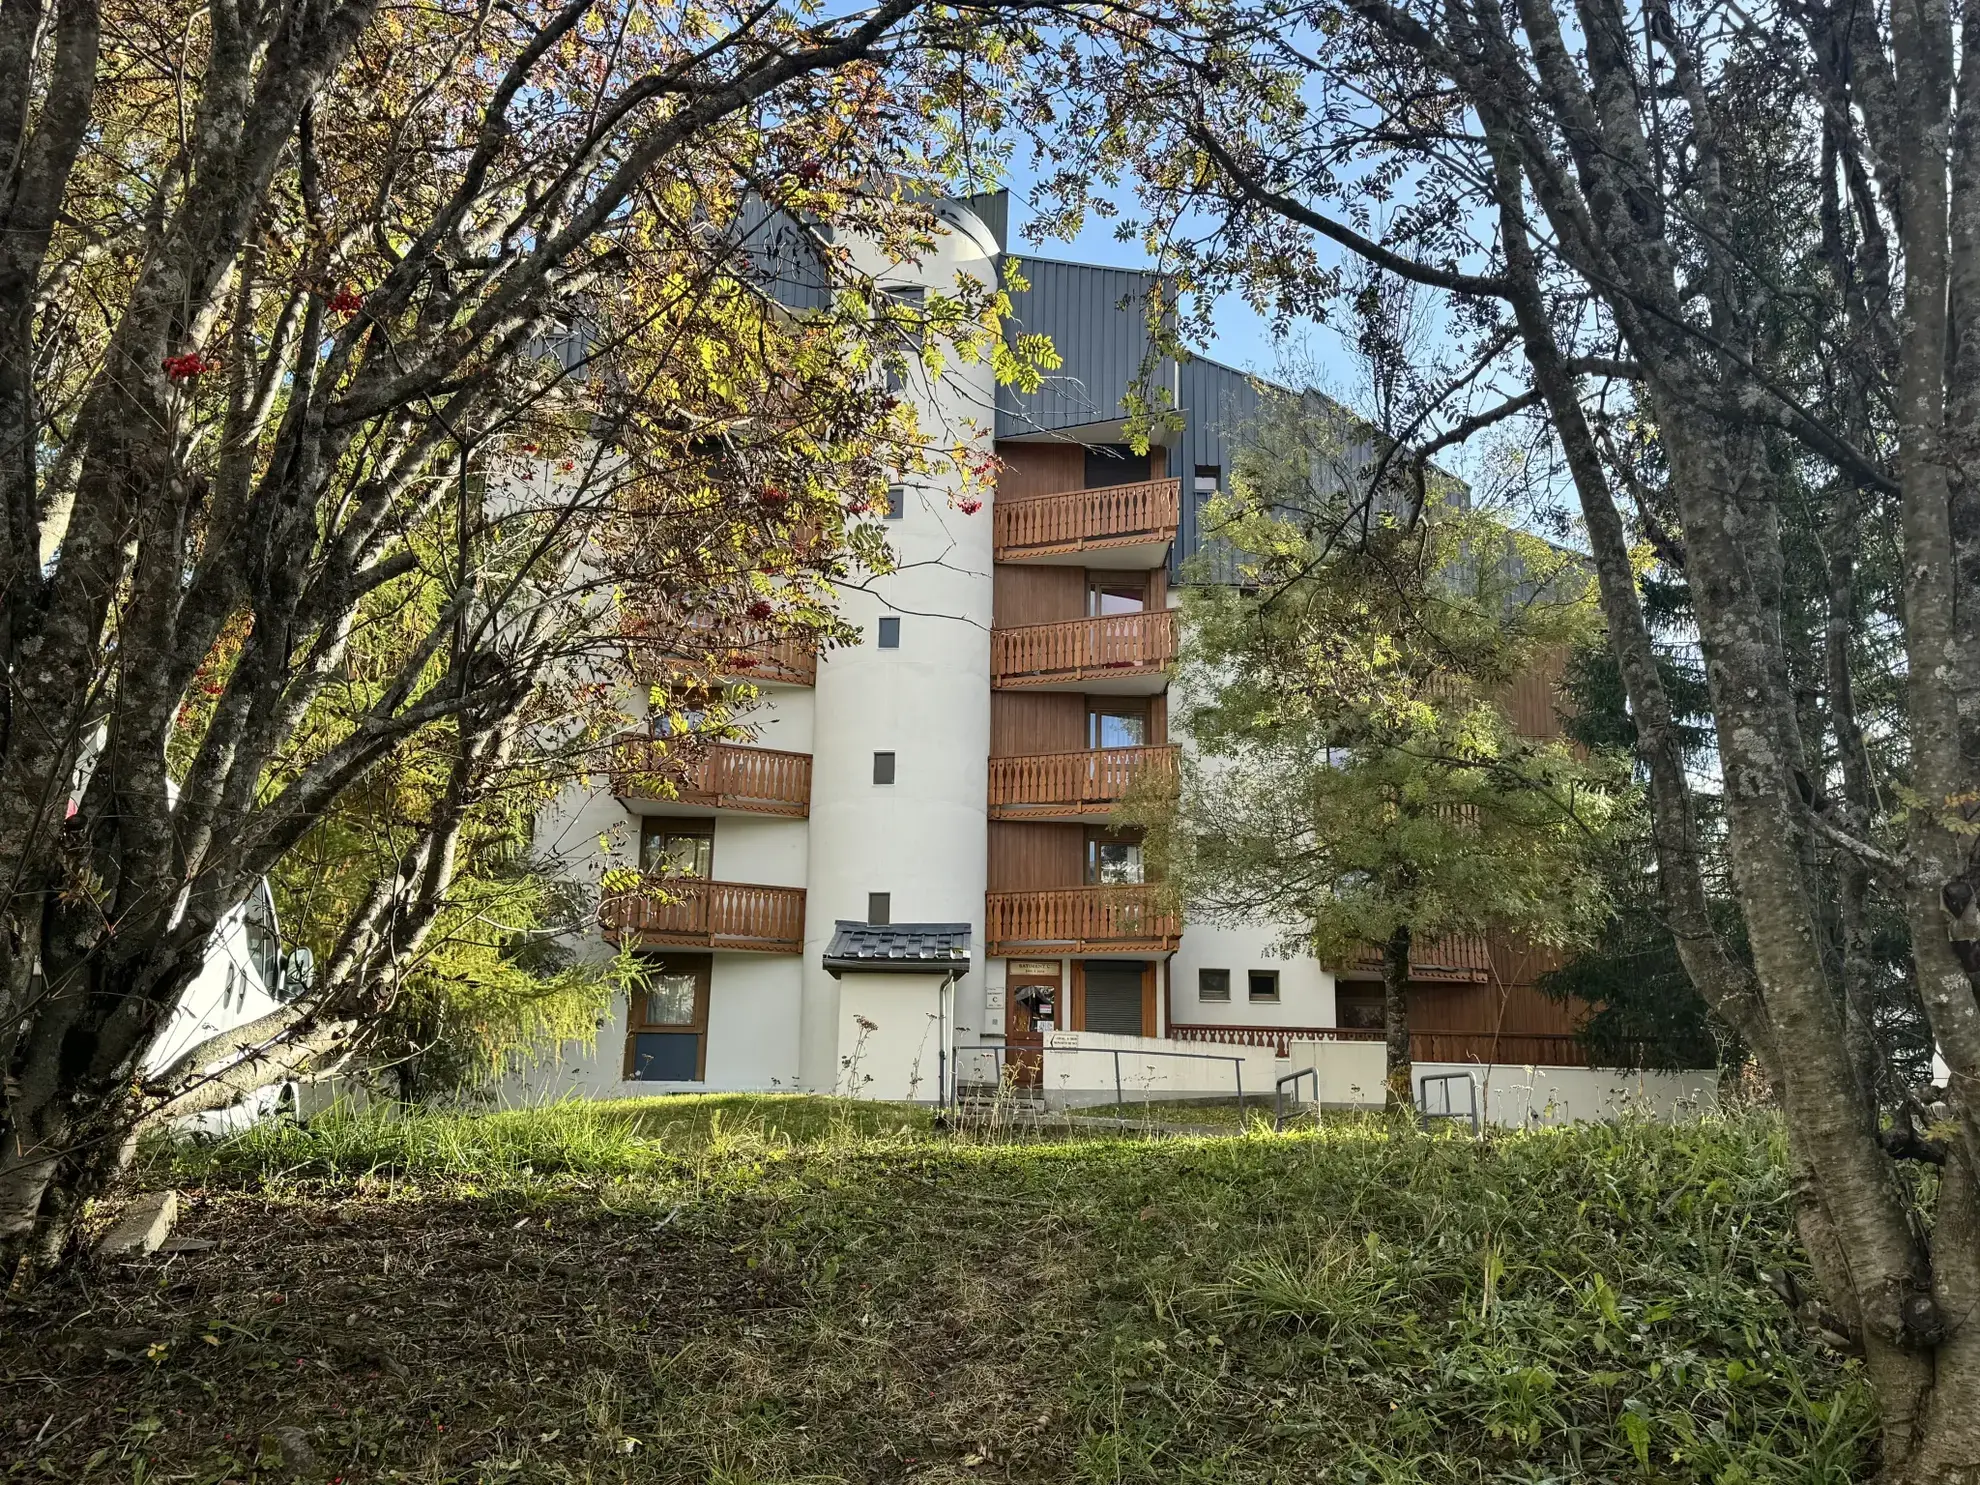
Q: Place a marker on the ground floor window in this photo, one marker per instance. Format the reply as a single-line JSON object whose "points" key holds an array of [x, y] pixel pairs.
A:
{"points": [[1359, 1006], [667, 1027]]}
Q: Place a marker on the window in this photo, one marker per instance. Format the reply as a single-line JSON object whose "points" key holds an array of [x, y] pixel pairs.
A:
{"points": [[1114, 464], [1117, 723], [883, 768], [880, 907], [890, 634], [896, 502], [1359, 1007], [1208, 478], [1213, 984], [1263, 984], [1110, 594], [1112, 860], [679, 848], [667, 1024]]}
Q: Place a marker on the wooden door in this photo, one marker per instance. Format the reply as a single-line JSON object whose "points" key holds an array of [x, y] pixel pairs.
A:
{"points": [[1034, 1007]]}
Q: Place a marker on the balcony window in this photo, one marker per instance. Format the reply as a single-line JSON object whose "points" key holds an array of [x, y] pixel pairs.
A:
{"points": [[1116, 595], [1117, 724], [1213, 984], [682, 851], [1114, 464], [667, 1031], [1263, 985], [1361, 1009], [1112, 860]]}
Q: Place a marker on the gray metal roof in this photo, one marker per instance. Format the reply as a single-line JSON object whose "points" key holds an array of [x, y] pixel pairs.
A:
{"points": [[898, 948]]}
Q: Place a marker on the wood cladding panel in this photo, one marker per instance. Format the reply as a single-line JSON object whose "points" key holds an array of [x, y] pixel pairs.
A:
{"points": [[1478, 1008], [1028, 857], [1033, 469], [1158, 719], [1532, 702], [1037, 595], [1028, 722]]}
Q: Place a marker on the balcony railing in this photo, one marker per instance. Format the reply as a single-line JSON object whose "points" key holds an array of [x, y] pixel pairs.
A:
{"points": [[721, 776], [1080, 920], [700, 649], [1116, 647], [683, 912], [1502, 1049], [1459, 959], [1142, 514], [1050, 785]]}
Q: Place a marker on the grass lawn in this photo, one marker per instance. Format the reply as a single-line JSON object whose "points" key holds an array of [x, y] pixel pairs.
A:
{"points": [[792, 1290]]}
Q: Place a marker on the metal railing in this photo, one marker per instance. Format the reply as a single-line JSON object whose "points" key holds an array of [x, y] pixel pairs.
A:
{"points": [[1000, 1057], [1279, 1094], [1448, 1110]]}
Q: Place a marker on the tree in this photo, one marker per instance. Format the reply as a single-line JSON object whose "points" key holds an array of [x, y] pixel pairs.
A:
{"points": [[321, 317], [1748, 235], [1351, 773]]}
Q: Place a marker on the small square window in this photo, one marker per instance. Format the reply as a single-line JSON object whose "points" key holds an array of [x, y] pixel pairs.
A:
{"points": [[1263, 984], [1213, 984], [896, 502], [880, 907], [883, 768], [890, 634]]}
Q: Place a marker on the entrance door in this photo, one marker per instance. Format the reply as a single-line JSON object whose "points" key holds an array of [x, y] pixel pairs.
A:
{"points": [[1034, 1008]]}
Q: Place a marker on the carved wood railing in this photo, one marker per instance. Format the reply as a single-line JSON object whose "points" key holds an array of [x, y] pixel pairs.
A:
{"points": [[1459, 958], [1090, 782], [1086, 520], [722, 776], [684, 912], [1082, 649], [1505, 1049], [666, 650], [1274, 1037], [1080, 920]]}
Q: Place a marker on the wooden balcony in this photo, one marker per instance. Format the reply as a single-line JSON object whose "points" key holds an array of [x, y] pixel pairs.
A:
{"points": [[1460, 959], [1133, 525], [1504, 1049], [1071, 786], [668, 651], [1080, 920], [686, 913], [716, 776], [1120, 655]]}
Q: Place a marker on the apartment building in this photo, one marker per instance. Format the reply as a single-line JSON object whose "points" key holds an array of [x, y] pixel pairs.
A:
{"points": [[915, 877]]}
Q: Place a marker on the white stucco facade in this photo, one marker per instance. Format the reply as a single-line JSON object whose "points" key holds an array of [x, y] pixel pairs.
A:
{"points": [[911, 843]]}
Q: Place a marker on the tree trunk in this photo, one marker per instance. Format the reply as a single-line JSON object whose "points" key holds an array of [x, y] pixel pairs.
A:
{"points": [[1399, 1082]]}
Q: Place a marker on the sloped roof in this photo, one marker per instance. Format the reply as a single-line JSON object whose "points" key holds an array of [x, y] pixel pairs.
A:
{"points": [[898, 948]]}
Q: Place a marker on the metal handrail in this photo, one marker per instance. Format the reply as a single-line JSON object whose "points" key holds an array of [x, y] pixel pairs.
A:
{"points": [[1425, 1115], [1279, 1093], [999, 1052]]}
